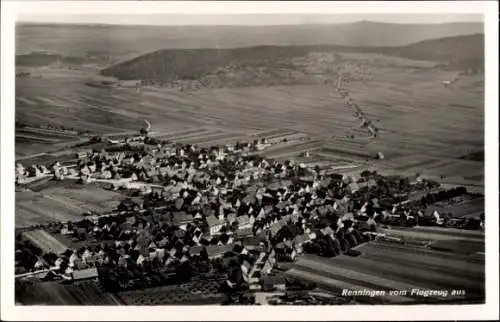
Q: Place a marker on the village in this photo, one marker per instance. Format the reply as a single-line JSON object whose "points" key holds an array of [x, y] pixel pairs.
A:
{"points": [[219, 213]]}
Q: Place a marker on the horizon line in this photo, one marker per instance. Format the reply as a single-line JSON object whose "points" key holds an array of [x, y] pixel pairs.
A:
{"points": [[26, 22]]}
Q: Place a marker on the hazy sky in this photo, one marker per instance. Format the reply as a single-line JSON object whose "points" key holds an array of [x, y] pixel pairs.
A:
{"points": [[249, 19]]}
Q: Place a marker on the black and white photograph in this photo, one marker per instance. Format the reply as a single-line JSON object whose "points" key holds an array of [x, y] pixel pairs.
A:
{"points": [[250, 159]]}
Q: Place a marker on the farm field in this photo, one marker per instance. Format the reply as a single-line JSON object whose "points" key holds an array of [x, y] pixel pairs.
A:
{"points": [[388, 266], [206, 136], [192, 293], [45, 241], [469, 208], [428, 234], [216, 89], [55, 293], [424, 126], [62, 203], [48, 159]]}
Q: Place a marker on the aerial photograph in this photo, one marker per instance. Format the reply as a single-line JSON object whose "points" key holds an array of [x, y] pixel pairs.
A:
{"points": [[253, 159]]}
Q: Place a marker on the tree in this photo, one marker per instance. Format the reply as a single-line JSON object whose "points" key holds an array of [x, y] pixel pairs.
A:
{"points": [[246, 298], [352, 239], [365, 174], [312, 248]]}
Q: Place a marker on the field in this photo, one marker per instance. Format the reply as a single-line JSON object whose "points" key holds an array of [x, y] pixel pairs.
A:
{"points": [[46, 242], [387, 266], [425, 127], [55, 293], [62, 203], [197, 292], [431, 234], [192, 293], [471, 208]]}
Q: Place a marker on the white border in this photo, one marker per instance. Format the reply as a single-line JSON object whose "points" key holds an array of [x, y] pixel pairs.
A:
{"points": [[11, 9]]}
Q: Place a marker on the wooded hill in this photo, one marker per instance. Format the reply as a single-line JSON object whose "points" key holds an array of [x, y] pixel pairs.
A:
{"points": [[462, 52]]}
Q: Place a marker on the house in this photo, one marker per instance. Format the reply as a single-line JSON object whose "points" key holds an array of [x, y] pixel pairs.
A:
{"points": [[262, 213], [122, 261], [216, 251], [299, 241], [269, 262], [72, 259], [163, 242], [327, 231], [275, 228], [152, 255], [251, 243], [245, 232], [179, 202], [367, 225], [195, 250], [197, 236], [160, 253], [65, 230], [239, 249], [353, 187], [337, 177], [68, 274], [141, 259], [231, 218], [371, 183], [362, 184], [40, 264], [78, 263], [246, 269], [157, 190], [255, 277], [273, 282], [82, 154], [283, 220], [214, 224], [181, 218], [437, 216], [244, 221], [83, 274], [285, 253]]}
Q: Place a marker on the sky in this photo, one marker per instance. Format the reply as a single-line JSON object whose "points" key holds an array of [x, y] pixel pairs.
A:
{"points": [[247, 19]]}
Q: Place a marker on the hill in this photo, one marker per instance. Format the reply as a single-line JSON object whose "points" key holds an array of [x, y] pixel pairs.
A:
{"points": [[115, 43], [463, 52], [38, 59], [264, 65]]}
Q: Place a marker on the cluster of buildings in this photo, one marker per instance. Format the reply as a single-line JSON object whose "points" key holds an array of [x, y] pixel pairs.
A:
{"points": [[35, 172], [218, 208]]}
